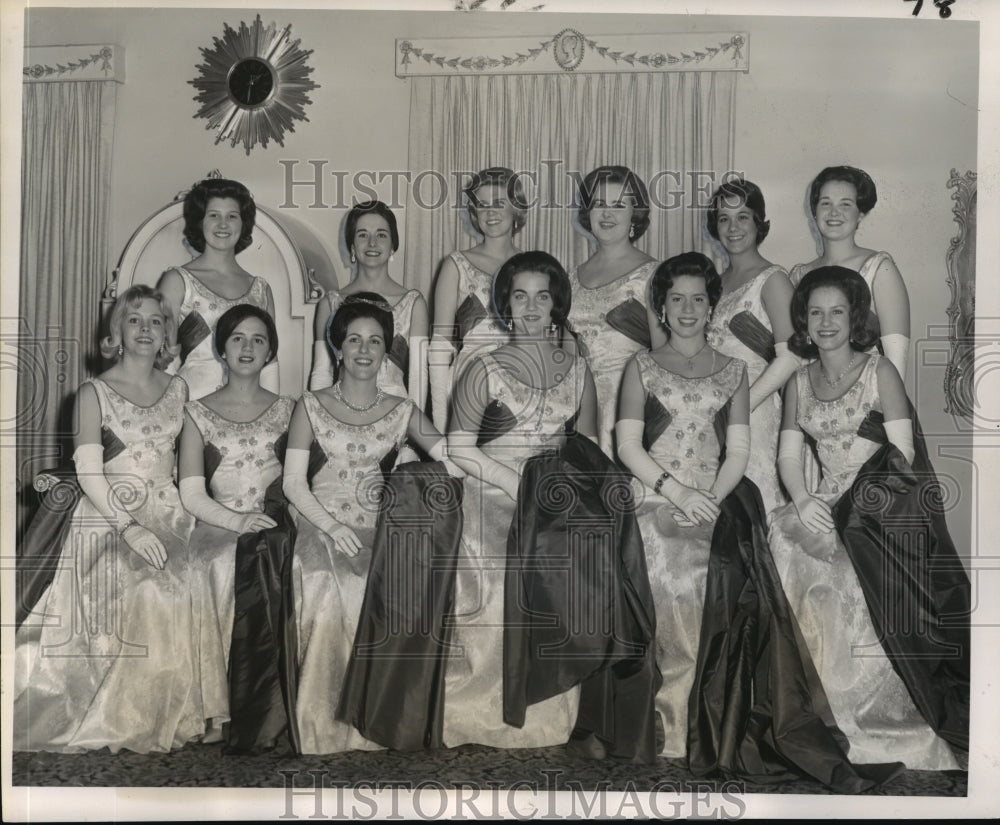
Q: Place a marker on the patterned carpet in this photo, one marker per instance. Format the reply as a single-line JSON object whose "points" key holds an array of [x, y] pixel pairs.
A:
{"points": [[541, 769]]}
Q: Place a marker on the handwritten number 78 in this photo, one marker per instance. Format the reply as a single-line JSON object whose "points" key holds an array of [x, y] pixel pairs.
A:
{"points": [[942, 6]]}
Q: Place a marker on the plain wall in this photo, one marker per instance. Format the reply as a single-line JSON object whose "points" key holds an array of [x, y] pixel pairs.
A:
{"points": [[896, 98]]}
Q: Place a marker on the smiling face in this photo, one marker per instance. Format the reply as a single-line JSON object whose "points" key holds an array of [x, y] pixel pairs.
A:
{"points": [[611, 213], [828, 318], [247, 348], [687, 307], [837, 213], [363, 348], [372, 242], [495, 213], [144, 328], [222, 223], [737, 228], [530, 303]]}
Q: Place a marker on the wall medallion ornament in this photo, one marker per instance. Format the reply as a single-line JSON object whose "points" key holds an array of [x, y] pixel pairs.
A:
{"points": [[253, 84]]}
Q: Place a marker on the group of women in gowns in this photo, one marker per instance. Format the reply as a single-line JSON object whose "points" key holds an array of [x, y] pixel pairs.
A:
{"points": [[671, 369]]}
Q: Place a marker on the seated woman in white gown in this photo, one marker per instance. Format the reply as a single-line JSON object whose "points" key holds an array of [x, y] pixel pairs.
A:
{"points": [[107, 658], [886, 622], [219, 217], [232, 446], [358, 429]]}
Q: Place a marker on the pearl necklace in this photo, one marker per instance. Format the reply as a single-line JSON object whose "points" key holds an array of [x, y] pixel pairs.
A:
{"points": [[339, 395], [839, 378], [689, 359]]}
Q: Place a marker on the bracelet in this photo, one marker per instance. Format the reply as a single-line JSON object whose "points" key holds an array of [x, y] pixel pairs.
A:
{"points": [[659, 482]]}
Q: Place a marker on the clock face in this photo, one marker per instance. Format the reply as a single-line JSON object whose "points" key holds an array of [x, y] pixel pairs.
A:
{"points": [[254, 84], [251, 81]]}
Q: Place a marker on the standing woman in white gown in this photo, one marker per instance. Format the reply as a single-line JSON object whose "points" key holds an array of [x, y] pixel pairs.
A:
{"points": [[219, 218], [108, 657], [840, 197], [610, 288], [751, 322], [464, 322], [372, 237]]}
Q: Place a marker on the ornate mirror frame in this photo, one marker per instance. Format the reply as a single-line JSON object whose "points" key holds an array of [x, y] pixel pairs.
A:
{"points": [[959, 381]]}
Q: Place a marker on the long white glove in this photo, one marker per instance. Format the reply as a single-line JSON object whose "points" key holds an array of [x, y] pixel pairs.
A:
{"points": [[418, 369], [463, 450], [896, 348], [203, 507], [439, 452], [813, 513], [775, 376], [735, 465], [89, 461], [322, 367], [629, 432], [900, 433], [296, 487], [440, 353]]}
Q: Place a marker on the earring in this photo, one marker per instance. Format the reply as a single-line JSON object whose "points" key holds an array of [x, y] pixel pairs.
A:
{"points": [[551, 330], [631, 232], [121, 350], [809, 341], [391, 256], [354, 259], [509, 323], [163, 348]]}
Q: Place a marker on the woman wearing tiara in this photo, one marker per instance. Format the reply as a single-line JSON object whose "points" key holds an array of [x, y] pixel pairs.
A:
{"points": [[751, 322], [231, 451], [358, 429], [840, 197], [372, 238], [609, 311], [219, 218], [107, 658], [464, 322], [880, 595]]}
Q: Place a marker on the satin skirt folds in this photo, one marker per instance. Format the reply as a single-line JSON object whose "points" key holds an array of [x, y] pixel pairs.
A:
{"points": [[579, 609], [394, 688]]}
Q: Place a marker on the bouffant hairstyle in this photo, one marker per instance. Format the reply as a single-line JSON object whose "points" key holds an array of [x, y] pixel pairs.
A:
{"points": [[234, 316], [500, 177], [370, 208], [196, 205], [534, 261], [858, 178], [359, 305], [132, 298], [740, 193], [633, 186], [859, 301], [687, 263]]}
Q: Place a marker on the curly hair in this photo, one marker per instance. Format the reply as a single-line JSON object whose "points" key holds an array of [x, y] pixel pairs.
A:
{"points": [[359, 305], [196, 206], [234, 316], [132, 298], [859, 300], [692, 264], [633, 186], [358, 211], [863, 185], [500, 177], [744, 193], [533, 261]]}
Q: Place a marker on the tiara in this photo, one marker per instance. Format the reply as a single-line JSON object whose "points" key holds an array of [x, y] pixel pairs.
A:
{"points": [[383, 305]]}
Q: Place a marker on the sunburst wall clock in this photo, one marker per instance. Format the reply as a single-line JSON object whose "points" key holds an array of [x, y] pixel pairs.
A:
{"points": [[253, 84]]}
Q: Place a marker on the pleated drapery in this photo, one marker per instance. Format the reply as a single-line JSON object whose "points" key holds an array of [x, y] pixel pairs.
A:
{"points": [[67, 132], [675, 129]]}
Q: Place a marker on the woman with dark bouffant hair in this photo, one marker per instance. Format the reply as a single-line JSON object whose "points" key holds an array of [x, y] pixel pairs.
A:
{"points": [[751, 321], [358, 427], [219, 217], [231, 452], [464, 325], [883, 621], [125, 672], [840, 197], [610, 287], [371, 237]]}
